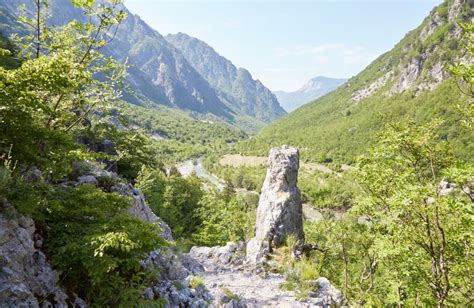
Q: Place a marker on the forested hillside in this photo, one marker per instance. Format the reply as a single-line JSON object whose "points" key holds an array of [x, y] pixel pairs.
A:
{"points": [[410, 83]]}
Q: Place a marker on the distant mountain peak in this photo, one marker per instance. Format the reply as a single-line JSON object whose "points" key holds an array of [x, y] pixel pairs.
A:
{"points": [[314, 88]]}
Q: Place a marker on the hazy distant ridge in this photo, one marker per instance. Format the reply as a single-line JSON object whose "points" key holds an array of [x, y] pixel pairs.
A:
{"points": [[314, 88]]}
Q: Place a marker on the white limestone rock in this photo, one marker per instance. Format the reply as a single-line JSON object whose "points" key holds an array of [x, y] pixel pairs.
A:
{"points": [[26, 278], [279, 210], [371, 88]]}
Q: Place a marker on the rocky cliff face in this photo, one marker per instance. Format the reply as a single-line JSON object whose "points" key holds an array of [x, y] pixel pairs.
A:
{"points": [[26, 278], [279, 211], [417, 61], [236, 86]]}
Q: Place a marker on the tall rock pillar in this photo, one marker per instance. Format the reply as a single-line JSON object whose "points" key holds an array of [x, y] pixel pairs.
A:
{"points": [[279, 210]]}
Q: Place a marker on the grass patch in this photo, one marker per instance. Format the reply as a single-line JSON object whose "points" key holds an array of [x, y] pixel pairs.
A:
{"points": [[196, 282], [231, 295]]}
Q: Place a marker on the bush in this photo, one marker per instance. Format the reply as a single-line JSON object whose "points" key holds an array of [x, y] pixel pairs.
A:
{"points": [[93, 243], [173, 198], [196, 282], [224, 218]]}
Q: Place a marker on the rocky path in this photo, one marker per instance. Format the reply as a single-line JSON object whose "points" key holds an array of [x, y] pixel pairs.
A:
{"points": [[224, 272]]}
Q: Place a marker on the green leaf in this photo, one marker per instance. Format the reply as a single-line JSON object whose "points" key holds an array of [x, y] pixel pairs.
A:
{"points": [[88, 4]]}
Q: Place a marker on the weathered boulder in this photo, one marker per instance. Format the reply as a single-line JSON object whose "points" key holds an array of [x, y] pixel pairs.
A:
{"points": [[173, 285], [445, 188], [33, 175], [325, 294], [279, 210], [26, 279], [232, 253]]}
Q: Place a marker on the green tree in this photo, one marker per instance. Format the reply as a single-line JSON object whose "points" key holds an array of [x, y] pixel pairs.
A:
{"points": [[224, 218], [54, 90], [423, 234], [173, 198]]}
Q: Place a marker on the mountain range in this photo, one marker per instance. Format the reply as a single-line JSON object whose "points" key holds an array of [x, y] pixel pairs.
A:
{"points": [[171, 71], [408, 83], [235, 85], [313, 89]]}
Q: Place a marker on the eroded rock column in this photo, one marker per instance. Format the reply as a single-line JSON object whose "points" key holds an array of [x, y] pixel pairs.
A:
{"points": [[279, 210]]}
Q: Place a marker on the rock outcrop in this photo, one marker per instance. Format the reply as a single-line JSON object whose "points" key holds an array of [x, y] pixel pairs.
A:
{"points": [[455, 9], [430, 27], [437, 75], [174, 285], [175, 270], [410, 73], [26, 278], [140, 209], [279, 212], [231, 253], [371, 88], [325, 293]]}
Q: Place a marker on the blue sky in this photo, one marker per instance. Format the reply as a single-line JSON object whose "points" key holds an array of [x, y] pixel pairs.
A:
{"points": [[285, 43]]}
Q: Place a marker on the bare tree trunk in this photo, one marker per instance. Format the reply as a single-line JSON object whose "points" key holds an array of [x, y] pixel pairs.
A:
{"points": [[441, 262], [38, 27]]}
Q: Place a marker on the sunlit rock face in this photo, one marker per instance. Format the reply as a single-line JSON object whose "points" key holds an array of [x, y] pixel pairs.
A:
{"points": [[26, 278], [279, 210]]}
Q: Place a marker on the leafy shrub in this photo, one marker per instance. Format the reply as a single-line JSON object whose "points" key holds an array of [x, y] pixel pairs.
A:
{"points": [[173, 198], [133, 149], [224, 218], [230, 295], [93, 243]]}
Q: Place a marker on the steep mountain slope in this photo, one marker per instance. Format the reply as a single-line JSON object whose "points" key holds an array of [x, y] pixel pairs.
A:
{"points": [[409, 83], [313, 89], [158, 72], [235, 85]]}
